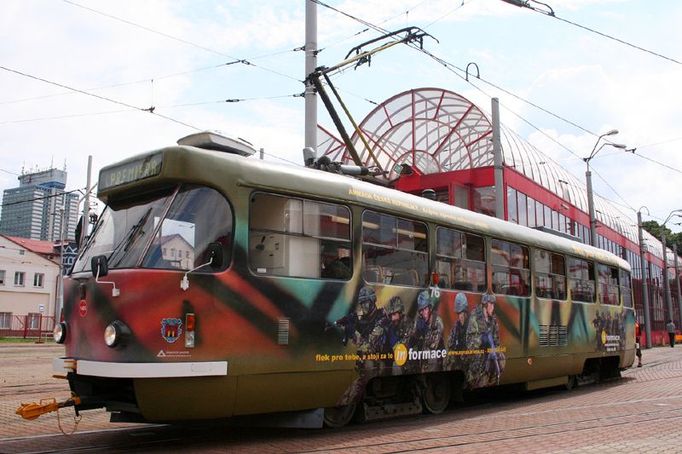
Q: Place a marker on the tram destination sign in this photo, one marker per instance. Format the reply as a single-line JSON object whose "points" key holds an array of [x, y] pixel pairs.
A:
{"points": [[130, 171]]}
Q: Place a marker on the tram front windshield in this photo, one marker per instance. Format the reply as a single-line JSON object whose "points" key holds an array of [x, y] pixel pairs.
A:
{"points": [[170, 231]]}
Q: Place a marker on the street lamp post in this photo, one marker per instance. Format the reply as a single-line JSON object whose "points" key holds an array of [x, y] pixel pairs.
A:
{"points": [[645, 289], [666, 284], [588, 178]]}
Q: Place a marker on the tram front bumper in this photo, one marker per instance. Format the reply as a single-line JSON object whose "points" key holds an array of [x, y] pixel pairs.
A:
{"points": [[64, 365]]}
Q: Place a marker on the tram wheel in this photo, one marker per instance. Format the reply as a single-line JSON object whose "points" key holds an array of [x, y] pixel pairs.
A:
{"points": [[336, 417], [436, 394]]}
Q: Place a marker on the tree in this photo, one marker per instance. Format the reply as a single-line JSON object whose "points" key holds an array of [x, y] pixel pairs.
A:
{"points": [[671, 238]]}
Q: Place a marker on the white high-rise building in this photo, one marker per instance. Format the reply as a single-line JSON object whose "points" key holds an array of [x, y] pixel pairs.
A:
{"points": [[39, 207]]}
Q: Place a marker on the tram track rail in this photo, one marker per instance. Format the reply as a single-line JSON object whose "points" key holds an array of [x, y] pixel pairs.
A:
{"points": [[490, 420], [197, 436]]}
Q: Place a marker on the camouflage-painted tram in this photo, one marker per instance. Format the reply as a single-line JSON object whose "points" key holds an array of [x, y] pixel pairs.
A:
{"points": [[216, 285]]}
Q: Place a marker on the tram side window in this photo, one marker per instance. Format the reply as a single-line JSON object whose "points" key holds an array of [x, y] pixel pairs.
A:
{"points": [[300, 238], [581, 280], [395, 250], [626, 288], [608, 284], [550, 275], [511, 268], [460, 261], [197, 218]]}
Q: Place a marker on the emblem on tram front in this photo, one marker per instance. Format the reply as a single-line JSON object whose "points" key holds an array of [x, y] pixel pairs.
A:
{"points": [[171, 329]]}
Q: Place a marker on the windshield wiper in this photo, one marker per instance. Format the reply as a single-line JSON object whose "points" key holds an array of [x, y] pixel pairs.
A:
{"points": [[129, 239]]}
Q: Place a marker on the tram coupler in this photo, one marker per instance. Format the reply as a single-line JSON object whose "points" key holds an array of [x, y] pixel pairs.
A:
{"points": [[33, 410]]}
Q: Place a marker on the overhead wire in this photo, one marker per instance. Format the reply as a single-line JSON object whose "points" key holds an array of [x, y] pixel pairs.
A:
{"points": [[35, 199], [657, 162], [123, 84], [548, 11], [9, 172], [612, 188], [446, 14], [641, 156], [104, 98], [180, 40], [451, 68], [170, 106], [622, 41], [62, 117]]}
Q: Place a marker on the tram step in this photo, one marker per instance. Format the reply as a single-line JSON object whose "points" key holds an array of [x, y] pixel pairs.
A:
{"points": [[587, 379], [546, 383], [391, 410]]}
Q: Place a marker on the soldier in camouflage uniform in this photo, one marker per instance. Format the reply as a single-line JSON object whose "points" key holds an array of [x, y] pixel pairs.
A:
{"points": [[457, 340], [369, 335], [427, 333], [398, 328], [483, 334]]}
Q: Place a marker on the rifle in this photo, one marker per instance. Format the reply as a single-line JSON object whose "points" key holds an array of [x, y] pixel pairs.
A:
{"points": [[348, 324], [492, 356]]}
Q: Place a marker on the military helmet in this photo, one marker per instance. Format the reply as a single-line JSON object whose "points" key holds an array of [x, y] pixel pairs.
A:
{"points": [[488, 298], [367, 299], [461, 303], [424, 300], [394, 305]]}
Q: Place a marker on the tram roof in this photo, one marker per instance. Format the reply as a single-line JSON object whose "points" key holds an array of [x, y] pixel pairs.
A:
{"points": [[214, 168]]}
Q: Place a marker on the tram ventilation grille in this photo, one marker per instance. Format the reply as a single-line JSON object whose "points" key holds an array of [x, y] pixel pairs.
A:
{"points": [[553, 335], [283, 331]]}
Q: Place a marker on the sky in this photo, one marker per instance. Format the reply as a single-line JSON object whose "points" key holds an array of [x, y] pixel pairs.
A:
{"points": [[77, 75]]}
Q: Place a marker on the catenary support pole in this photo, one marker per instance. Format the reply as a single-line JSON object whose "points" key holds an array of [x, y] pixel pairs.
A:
{"points": [[677, 283], [645, 287], [500, 196], [310, 65], [666, 278], [85, 220]]}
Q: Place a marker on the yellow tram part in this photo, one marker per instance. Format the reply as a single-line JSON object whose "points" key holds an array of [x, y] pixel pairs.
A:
{"points": [[33, 410]]}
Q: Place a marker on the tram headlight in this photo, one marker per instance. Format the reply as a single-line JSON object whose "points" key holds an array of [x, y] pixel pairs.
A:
{"points": [[59, 332], [115, 333]]}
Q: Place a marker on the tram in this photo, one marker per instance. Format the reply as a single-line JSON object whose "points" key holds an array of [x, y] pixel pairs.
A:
{"points": [[215, 285]]}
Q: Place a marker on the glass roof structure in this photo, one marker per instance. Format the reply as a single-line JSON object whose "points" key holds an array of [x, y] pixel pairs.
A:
{"points": [[435, 130]]}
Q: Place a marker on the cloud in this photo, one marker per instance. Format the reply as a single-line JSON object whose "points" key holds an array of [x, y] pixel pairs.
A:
{"points": [[582, 77]]}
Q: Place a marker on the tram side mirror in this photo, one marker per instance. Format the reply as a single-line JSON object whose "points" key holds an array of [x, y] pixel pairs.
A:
{"points": [[214, 252], [99, 265]]}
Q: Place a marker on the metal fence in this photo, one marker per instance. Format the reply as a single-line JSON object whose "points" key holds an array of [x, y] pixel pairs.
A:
{"points": [[28, 326]]}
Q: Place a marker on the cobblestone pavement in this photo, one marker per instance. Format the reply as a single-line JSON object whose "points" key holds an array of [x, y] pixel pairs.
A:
{"points": [[642, 412], [26, 376]]}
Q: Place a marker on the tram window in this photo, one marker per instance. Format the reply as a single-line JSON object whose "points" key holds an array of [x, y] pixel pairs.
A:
{"points": [[298, 237], [550, 275], [608, 284], [626, 288], [198, 217], [123, 231], [395, 250], [511, 273], [581, 280], [460, 261]]}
